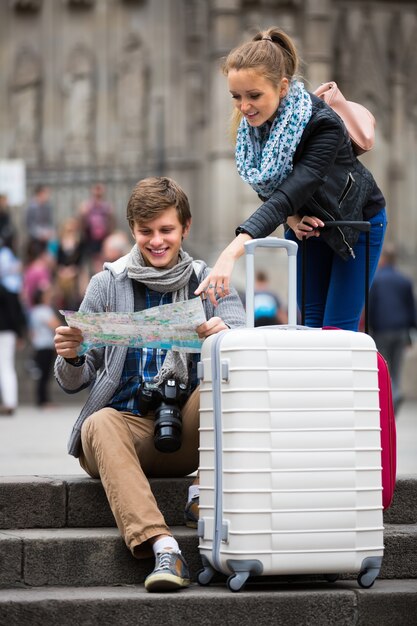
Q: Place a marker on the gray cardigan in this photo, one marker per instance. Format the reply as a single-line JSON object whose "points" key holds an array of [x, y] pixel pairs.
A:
{"points": [[112, 290]]}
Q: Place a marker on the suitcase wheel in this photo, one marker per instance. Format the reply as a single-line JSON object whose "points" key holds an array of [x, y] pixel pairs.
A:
{"points": [[204, 576], [331, 578], [367, 578], [235, 582]]}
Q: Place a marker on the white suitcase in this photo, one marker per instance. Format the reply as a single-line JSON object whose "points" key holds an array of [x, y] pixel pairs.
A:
{"points": [[290, 452]]}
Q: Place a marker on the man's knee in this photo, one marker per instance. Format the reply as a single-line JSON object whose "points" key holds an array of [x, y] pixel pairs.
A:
{"points": [[101, 423]]}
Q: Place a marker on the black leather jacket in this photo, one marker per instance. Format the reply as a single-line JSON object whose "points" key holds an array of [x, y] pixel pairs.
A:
{"points": [[327, 181]]}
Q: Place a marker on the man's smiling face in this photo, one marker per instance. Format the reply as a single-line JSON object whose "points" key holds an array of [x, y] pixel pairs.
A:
{"points": [[160, 240]]}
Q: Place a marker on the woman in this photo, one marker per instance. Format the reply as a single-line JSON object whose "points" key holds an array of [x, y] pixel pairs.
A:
{"points": [[295, 152], [71, 273]]}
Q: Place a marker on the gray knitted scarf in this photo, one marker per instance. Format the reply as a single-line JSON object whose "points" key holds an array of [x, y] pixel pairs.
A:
{"points": [[166, 280]]}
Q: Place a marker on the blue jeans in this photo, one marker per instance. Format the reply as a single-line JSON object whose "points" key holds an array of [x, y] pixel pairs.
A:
{"points": [[335, 289]]}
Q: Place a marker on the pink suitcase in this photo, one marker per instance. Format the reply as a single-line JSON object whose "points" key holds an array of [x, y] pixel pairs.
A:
{"points": [[388, 433], [387, 415]]}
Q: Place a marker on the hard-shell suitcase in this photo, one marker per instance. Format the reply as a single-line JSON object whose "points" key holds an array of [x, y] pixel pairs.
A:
{"points": [[387, 415], [290, 453]]}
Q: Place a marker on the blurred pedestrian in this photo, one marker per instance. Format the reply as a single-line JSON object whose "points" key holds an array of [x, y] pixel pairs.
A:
{"points": [[267, 306], [42, 322], [71, 273], [12, 326], [392, 315], [97, 220], [7, 230], [115, 246], [40, 218], [38, 272]]}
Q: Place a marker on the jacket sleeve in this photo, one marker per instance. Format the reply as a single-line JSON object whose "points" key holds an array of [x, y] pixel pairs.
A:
{"points": [[71, 378], [314, 159]]}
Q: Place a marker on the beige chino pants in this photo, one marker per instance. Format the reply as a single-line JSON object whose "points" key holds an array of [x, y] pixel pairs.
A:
{"points": [[118, 448]]}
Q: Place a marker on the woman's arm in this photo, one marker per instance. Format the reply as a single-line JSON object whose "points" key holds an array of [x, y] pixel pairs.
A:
{"points": [[318, 153], [217, 282]]}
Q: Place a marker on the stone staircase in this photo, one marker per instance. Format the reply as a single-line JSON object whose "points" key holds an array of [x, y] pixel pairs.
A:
{"points": [[62, 562]]}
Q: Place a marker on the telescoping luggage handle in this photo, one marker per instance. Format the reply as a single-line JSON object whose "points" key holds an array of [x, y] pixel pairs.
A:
{"points": [[361, 226], [271, 242]]}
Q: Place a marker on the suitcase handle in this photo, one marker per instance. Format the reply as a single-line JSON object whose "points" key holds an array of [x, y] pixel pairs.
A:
{"points": [[271, 242], [364, 227]]}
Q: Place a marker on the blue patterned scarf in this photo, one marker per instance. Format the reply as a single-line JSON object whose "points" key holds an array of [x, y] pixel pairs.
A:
{"points": [[264, 157]]}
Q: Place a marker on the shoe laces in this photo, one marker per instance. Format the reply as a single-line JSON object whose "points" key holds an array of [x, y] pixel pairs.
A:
{"points": [[165, 559]]}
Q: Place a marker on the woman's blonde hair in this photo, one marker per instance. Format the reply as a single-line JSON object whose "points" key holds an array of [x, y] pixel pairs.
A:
{"points": [[271, 52]]}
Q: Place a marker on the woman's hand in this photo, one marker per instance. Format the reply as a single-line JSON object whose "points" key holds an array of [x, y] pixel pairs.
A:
{"points": [[217, 283], [67, 341], [307, 226]]}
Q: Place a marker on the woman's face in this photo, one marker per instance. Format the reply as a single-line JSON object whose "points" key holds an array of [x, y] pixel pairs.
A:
{"points": [[255, 96]]}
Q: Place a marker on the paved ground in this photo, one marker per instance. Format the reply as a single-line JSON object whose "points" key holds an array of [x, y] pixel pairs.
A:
{"points": [[34, 442]]}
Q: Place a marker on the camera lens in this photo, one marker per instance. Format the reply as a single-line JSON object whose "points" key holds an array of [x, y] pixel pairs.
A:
{"points": [[168, 428]]}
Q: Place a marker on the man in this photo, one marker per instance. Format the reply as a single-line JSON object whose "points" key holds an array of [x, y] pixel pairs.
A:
{"points": [[267, 306], [115, 245], [39, 216], [113, 437], [97, 219], [392, 314]]}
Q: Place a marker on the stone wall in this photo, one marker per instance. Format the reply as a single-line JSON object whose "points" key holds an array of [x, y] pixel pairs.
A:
{"points": [[114, 90]]}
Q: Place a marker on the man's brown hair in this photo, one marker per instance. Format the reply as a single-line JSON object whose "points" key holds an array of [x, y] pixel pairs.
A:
{"points": [[151, 196]]}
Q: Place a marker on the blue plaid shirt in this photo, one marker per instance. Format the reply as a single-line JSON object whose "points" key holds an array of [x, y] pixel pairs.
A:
{"points": [[144, 364]]}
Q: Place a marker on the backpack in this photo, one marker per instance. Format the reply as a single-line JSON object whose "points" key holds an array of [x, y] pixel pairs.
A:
{"points": [[359, 122]]}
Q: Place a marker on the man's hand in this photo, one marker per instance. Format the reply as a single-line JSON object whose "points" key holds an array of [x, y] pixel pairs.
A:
{"points": [[67, 341], [211, 327]]}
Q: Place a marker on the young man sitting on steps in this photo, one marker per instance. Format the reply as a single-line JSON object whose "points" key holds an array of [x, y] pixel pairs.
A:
{"points": [[113, 436]]}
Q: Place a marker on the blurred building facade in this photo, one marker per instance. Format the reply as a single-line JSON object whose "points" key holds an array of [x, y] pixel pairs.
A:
{"points": [[114, 90]]}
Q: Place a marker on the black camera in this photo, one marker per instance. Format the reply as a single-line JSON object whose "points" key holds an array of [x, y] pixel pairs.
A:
{"points": [[165, 400]]}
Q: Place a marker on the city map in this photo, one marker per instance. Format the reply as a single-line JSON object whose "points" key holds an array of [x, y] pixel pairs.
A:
{"points": [[168, 327]]}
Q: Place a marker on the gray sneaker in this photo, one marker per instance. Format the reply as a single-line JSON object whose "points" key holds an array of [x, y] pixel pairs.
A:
{"points": [[191, 512], [171, 572]]}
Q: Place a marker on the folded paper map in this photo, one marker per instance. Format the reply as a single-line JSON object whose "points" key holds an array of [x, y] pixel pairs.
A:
{"points": [[168, 327]]}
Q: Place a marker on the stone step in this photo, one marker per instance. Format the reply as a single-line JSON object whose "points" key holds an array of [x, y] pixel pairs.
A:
{"points": [[76, 501], [79, 501], [98, 556], [75, 556], [387, 603]]}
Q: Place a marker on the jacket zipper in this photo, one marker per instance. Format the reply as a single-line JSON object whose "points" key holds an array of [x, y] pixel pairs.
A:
{"points": [[348, 187], [331, 218]]}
